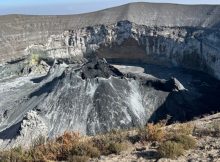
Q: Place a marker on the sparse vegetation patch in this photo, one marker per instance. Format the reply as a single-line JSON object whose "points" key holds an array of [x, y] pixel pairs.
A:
{"points": [[170, 143]]}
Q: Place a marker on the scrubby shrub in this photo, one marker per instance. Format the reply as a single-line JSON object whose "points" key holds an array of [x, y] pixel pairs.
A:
{"points": [[35, 59], [111, 143], [57, 149], [70, 146], [170, 149], [156, 132], [109, 147], [101, 144], [187, 141], [177, 140], [85, 149], [152, 132], [16, 154], [116, 147], [68, 137], [42, 153], [116, 135], [142, 134]]}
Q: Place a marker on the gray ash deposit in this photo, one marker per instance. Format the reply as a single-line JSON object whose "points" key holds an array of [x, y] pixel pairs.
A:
{"points": [[95, 97]]}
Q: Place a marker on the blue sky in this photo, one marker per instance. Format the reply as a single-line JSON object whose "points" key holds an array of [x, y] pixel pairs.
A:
{"points": [[74, 6]]}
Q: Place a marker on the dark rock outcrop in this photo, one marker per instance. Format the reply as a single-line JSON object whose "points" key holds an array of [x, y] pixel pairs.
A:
{"points": [[99, 68]]}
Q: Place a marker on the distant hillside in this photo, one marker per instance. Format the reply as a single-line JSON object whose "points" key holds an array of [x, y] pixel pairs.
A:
{"points": [[19, 31]]}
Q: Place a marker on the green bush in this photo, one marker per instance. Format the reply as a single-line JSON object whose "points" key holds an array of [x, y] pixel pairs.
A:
{"points": [[108, 146], [187, 142], [35, 59], [116, 148], [111, 143], [170, 149], [16, 154], [85, 149]]}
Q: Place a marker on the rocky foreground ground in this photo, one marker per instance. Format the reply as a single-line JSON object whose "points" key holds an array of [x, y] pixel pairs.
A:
{"points": [[194, 141], [206, 150]]}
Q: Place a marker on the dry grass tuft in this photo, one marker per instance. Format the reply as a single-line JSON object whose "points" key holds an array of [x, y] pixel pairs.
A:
{"points": [[178, 139], [188, 142], [113, 142], [84, 149], [170, 149], [69, 147], [72, 147]]}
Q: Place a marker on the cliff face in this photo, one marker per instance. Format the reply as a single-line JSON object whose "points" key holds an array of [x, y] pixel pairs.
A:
{"points": [[184, 35], [192, 48]]}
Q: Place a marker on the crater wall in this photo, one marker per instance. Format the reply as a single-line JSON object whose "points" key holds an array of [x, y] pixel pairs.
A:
{"points": [[126, 42], [20, 31]]}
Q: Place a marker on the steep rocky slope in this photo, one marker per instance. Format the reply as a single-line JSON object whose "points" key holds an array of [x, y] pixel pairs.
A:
{"points": [[90, 99], [93, 97]]}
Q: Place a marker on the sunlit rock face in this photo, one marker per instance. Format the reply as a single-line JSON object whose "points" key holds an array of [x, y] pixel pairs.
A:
{"points": [[192, 48], [157, 33]]}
